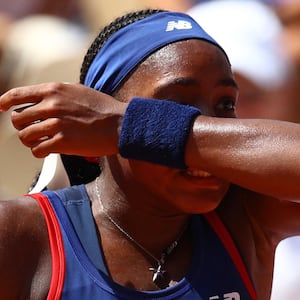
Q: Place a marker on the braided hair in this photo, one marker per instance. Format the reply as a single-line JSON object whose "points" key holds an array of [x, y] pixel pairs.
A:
{"points": [[107, 32]]}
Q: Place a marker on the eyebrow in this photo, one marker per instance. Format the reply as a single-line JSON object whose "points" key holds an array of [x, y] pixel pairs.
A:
{"points": [[180, 81], [228, 82], [188, 81]]}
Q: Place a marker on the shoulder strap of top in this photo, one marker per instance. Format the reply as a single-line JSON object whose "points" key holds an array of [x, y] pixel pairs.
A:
{"points": [[78, 207], [221, 231], [56, 245]]}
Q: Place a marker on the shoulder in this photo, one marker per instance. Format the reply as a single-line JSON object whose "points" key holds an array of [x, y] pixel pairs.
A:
{"points": [[19, 215], [24, 245]]}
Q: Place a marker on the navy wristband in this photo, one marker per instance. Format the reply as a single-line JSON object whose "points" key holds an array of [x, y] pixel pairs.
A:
{"points": [[156, 131]]}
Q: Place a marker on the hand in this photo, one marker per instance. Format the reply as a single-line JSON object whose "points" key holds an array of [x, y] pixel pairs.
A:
{"points": [[65, 118]]}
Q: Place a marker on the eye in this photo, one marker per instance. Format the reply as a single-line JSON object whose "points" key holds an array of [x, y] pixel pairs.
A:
{"points": [[228, 104], [226, 107]]}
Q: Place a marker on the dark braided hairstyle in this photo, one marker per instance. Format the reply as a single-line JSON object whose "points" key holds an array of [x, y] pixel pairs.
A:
{"points": [[107, 32]]}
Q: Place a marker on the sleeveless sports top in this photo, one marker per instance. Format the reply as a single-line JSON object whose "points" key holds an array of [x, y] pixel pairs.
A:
{"points": [[217, 271]]}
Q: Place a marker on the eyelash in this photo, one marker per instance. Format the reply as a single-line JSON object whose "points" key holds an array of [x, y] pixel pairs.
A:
{"points": [[228, 103]]}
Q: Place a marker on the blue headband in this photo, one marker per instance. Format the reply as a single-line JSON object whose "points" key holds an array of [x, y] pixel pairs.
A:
{"points": [[126, 48]]}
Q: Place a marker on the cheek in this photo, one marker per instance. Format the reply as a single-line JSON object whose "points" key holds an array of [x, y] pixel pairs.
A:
{"points": [[247, 111], [174, 191], [149, 174]]}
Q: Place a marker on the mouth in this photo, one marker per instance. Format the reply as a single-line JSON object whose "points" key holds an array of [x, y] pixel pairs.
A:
{"points": [[197, 173], [202, 178], [199, 181]]}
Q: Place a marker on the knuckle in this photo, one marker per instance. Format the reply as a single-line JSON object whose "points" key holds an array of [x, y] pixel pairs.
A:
{"points": [[38, 153], [53, 88], [23, 136], [51, 105], [15, 120], [55, 99], [60, 138], [55, 124], [14, 93]]}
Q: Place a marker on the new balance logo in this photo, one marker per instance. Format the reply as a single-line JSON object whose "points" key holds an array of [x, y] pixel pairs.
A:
{"points": [[229, 296], [179, 25]]}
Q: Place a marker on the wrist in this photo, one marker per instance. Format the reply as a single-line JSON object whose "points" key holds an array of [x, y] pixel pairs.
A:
{"points": [[156, 131]]}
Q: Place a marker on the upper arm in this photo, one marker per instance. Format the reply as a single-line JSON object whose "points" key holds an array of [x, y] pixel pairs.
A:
{"points": [[21, 247], [270, 217]]}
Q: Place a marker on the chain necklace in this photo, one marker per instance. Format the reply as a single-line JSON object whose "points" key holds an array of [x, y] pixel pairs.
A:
{"points": [[160, 277]]}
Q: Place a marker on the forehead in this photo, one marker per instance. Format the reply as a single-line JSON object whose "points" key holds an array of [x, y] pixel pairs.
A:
{"points": [[192, 66], [194, 59], [185, 52]]}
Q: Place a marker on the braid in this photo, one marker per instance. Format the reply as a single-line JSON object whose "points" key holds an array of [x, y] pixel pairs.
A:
{"points": [[109, 30]]}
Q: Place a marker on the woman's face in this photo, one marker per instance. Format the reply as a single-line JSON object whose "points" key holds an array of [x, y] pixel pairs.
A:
{"points": [[191, 72]]}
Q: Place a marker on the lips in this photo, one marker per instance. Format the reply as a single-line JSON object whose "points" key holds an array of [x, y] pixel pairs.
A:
{"points": [[202, 177], [198, 173], [199, 184]]}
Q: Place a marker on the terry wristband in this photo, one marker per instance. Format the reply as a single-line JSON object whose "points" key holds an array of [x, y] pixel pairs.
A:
{"points": [[156, 131]]}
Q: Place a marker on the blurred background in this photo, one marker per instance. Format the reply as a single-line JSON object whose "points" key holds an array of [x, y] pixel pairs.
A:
{"points": [[45, 40]]}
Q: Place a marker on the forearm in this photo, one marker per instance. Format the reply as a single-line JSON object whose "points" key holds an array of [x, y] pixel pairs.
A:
{"points": [[261, 155]]}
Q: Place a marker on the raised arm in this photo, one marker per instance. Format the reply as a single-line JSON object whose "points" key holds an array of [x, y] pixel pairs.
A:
{"points": [[65, 118], [262, 155]]}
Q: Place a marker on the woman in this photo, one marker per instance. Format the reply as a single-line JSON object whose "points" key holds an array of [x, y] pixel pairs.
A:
{"points": [[162, 220]]}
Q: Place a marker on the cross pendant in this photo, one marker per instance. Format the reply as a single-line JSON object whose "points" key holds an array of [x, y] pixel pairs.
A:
{"points": [[158, 273]]}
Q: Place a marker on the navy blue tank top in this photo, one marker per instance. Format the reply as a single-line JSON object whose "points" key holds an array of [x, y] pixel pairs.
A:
{"points": [[217, 271]]}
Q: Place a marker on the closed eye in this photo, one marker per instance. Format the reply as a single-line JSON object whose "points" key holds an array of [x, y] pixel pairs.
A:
{"points": [[226, 108], [229, 104]]}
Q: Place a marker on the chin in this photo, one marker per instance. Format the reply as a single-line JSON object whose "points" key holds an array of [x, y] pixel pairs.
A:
{"points": [[205, 207], [198, 205]]}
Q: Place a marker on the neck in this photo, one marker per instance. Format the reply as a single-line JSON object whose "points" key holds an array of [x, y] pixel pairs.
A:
{"points": [[145, 223], [144, 232]]}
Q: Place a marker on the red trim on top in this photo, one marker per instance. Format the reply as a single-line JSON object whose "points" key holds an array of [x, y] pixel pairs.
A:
{"points": [[219, 228], [95, 160], [56, 245]]}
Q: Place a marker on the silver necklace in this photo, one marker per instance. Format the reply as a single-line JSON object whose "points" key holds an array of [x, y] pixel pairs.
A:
{"points": [[159, 273]]}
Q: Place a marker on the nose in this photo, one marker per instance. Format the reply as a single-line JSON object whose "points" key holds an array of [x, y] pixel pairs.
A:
{"points": [[206, 110]]}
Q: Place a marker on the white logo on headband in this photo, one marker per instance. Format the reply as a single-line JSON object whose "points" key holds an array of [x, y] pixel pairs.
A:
{"points": [[179, 25]]}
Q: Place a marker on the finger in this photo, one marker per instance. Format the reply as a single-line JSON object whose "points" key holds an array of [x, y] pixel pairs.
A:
{"points": [[27, 94], [23, 107], [48, 145], [18, 96], [38, 132], [44, 148], [24, 116], [30, 114]]}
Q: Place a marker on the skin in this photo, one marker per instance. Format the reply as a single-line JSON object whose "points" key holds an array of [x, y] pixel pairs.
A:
{"points": [[258, 155]]}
